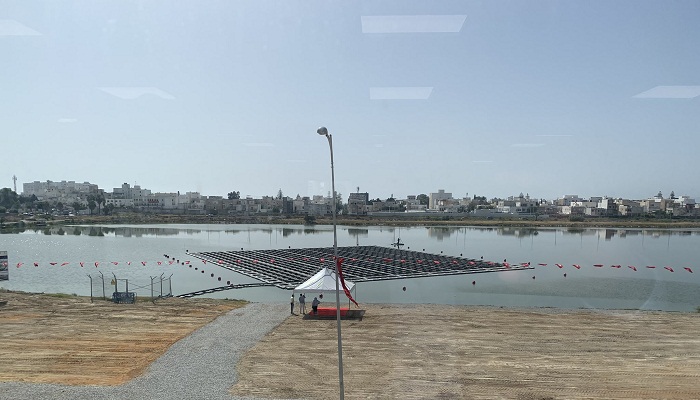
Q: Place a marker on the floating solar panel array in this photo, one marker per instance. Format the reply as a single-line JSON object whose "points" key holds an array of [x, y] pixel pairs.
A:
{"points": [[287, 268]]}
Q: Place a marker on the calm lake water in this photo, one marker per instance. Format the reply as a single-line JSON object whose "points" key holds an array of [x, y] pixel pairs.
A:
{"points": [[545, 286]]}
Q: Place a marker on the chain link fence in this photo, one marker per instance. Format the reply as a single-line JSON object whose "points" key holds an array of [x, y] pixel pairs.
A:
{"points": [[121, 290]]}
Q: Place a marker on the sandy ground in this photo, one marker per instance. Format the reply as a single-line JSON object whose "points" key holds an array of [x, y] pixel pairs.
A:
{"points": [[407, 351], [68, 340], [428, 351]]}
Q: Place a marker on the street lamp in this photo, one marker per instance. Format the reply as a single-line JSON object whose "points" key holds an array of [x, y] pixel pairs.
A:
{"points": [[324, 132]]}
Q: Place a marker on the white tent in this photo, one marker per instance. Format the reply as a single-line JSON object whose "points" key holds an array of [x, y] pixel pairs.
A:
{"points": [[323, 281]]}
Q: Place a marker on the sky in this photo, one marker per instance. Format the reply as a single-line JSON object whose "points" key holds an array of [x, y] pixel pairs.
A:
{"points": [[487, 98]]}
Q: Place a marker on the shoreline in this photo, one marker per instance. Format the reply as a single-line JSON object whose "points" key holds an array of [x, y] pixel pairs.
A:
{"points": [[520, 308]]}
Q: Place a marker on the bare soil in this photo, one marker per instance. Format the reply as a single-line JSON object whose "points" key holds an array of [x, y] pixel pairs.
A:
{"points": [[431, 351], [68, 340], [408, 351]]}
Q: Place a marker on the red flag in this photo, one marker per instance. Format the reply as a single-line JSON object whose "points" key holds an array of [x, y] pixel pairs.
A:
{"points": [[543, 264], [669, 268], [64, 263], [559, 265], [53, 263], [577, 266], [688, 269], [339, 262], [19, 264], [82, 264], [115, 262], [143, 263], [632, 267], [651, 266], [598, 265]]}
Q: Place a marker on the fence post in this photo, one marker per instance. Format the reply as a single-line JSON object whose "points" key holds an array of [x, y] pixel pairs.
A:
{"points": [[104, 297], [90, 287], [161, 285], [116, 283], [151, 287]]}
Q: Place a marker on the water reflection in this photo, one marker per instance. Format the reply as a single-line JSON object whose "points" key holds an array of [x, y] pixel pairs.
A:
{"points": [[518, 232], [439, 233]]}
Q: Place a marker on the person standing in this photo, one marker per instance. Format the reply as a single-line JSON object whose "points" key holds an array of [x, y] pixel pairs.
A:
{"points": [[291, 305], [302, 304], [314, 305]]}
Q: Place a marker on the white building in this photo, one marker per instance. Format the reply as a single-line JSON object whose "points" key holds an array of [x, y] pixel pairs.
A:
{"points": [[126, 196], [166, 201], [413, 204], [63, 190], [191, 201], [435, 198]]}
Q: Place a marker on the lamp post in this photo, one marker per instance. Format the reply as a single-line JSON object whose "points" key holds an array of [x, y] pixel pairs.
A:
{"points": [[324, 132]]}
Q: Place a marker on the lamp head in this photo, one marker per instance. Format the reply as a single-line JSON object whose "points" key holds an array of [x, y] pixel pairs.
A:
{"points": [[322, 131]]}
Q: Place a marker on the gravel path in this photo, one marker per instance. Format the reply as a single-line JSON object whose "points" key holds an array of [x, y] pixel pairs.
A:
{"points": [[201, 365]]}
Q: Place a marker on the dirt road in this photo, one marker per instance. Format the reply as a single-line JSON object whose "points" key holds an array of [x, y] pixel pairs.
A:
{"points": [[419, 352], [71, 341]]}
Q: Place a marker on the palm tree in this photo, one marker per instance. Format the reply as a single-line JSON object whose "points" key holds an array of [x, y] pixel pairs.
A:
{"points": [[91, 203], [100, 199]]}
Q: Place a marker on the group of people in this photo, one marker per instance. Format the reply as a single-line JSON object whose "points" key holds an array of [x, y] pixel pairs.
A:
{"points": [[302, 304]]}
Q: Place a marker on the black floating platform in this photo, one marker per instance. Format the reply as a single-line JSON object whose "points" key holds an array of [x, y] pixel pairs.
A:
{"points": [[288, 268]]}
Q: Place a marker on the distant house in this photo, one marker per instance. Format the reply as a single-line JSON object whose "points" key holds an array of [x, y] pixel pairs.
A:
{"points": [[357, 203], [435, 198]]}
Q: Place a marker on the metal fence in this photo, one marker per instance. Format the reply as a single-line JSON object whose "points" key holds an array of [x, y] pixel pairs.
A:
{"points": [[97, 287], [122, 290]]}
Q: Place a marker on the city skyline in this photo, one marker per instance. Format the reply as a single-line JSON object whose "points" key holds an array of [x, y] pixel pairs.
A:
{"points": [[292, 194], [548, 98]]}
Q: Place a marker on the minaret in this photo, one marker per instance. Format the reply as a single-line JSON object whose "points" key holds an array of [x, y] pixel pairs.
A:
{"points": [[14, 179]]}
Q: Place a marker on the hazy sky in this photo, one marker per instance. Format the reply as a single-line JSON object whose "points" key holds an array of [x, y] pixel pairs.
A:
{"points": [[485, 97]]}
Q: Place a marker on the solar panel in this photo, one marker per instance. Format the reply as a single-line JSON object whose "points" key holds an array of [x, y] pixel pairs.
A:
{"points": [[287, 268]]}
